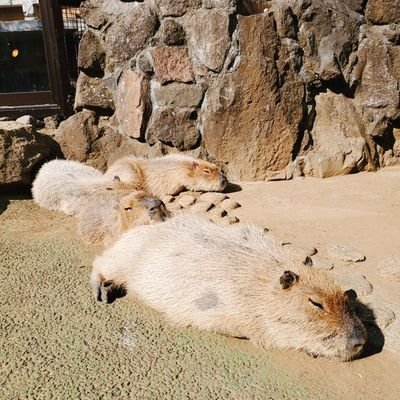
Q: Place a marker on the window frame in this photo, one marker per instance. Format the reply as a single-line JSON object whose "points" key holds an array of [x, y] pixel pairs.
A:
{"points": [[54, 101]]}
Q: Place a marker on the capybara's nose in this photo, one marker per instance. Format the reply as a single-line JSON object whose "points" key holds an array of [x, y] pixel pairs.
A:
{"points": [[153, 204], [356, 343], [223, 180]]}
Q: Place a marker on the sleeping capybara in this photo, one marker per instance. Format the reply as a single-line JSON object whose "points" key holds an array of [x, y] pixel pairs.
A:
{"points": [[103, 224], [170, 174], [233, 280]]}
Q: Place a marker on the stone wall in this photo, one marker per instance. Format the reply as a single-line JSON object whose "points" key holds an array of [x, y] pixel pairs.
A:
{"points": [[276, 88]]}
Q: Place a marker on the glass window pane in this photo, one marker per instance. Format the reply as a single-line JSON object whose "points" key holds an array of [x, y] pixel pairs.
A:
{"points": [[23, 65]]}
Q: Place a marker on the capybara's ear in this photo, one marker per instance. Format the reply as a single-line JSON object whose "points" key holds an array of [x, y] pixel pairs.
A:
{"points": [[116, 178], [308, 261], [288, 279], [195, 164], [351, 294]]}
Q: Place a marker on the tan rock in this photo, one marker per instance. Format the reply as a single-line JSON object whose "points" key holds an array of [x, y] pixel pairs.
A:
{"points": [[202, 207], [244, 109], [133, 105], [91, 54], [229, 204], [208, 37], [213, 197], [353, 280], [229, 220], [176, 95], [186, 201], [172, 64], [92, 93], [345, 253], [129, 34], [339, 144], [389, 269], [383, 11], [176, 8], [217, 213], [22, 149]]}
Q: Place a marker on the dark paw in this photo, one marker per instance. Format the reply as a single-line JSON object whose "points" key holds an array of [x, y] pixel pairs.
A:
{"points": [[109, 291]]}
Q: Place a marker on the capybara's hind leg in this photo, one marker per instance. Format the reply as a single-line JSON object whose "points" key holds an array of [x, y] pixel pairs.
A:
{"points": [[109, 291]]}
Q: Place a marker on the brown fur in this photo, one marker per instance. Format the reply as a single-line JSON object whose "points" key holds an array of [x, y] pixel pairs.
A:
{"points": [[170, 174], [101, 223]]}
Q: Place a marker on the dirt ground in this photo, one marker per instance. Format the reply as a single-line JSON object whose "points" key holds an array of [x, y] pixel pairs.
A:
{"points": [[57, 343]]}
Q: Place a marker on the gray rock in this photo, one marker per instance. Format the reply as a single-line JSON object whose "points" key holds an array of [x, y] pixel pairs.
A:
{"points": [[390, 269], [22, 150], [202, 207], [172, 33], [298, 250], [229, 220], [208, 37], [92, 93], [339, 144], [353, 280], [216, 213], [186, 200], [173, 127], [229, 204], [133, 105], [27, 120], [212, 197], [345, 253], [321, 263], [176, 95], [130, 34], [91, 55], [176, 8]]}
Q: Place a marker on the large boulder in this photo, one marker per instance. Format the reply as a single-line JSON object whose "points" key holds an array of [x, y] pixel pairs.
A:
{"points": [[129, 34], [340, 144], [251, 116], [22, 151]]}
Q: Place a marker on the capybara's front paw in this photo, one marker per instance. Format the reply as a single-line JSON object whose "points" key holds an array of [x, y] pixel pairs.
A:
{"points": [[109, 291]]}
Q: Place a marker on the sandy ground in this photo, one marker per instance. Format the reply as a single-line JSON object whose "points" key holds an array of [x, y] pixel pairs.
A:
{"points": [[56, 342]]}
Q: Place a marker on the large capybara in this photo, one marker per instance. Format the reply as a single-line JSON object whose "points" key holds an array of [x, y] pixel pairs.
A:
{"points": [[66, 186], [102, 224], [169, 174], [233, 280]]}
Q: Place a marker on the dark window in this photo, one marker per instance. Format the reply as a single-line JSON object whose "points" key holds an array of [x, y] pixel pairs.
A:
{"points": [[34, 75]]}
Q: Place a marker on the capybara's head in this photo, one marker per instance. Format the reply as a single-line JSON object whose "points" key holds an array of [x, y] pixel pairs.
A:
{"points": [[205, 176], [315, 315], [140, 208]]}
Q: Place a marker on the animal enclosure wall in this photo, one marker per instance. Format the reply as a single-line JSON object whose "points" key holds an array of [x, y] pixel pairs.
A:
{"points": [[264, 88]]}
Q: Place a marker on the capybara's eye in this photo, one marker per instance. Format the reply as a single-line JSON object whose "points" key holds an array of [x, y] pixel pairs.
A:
{"points": [[128, 208], [206, 171], [316, 304]]}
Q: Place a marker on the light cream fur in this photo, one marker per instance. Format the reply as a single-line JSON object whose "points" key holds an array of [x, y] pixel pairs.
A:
{"points": [[229, 280], [66, 186], [102, 224], [168, 174]]}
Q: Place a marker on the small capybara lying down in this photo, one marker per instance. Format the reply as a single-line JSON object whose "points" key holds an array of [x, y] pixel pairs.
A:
{"points": [[102, 224], [170, 174], [66, 186], [237, 281]]}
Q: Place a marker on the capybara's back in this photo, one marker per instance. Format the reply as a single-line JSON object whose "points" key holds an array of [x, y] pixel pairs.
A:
{"points": [[233, 280], [63, 185]]}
